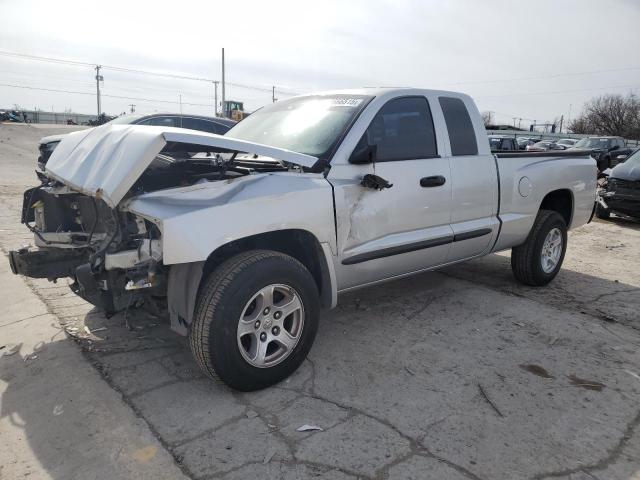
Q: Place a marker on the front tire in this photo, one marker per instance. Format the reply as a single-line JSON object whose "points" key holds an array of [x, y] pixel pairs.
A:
{"points": [[537, 261], [255, 320]]}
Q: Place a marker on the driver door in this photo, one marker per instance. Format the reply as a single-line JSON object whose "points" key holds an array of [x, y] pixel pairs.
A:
{"points": [[405, 228]]}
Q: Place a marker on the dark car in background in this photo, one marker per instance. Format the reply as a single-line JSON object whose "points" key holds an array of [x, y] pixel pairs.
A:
{"points": [[216, 125], [502, 143], [620, 192], [605, 150]]}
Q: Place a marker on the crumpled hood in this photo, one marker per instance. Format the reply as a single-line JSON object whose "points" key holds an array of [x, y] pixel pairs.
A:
{"points": [[106, 161]]}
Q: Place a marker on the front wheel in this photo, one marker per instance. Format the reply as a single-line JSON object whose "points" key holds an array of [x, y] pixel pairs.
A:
{"points": [[537, 261], [256, 319]]}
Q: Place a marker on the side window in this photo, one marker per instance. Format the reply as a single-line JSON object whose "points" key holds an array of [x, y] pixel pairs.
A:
{"points": [[198, 124], [164, 122], [462, 136], [403, 130]]}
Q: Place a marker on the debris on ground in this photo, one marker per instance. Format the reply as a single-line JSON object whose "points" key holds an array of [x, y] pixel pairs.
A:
{"points": [[611, 247], [9, 349], [587, 384], [489, 401], [269, 456], [536, 370], [633, 374], [251, 414], [30, 356], [58, 410], [309, 428]]}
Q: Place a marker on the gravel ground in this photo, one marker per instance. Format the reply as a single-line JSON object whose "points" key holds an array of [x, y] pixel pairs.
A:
{"points": [[455, 374]]}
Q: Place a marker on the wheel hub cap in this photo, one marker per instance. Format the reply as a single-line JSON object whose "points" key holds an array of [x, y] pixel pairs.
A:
{"points": [[270, 325], [551, 250]]}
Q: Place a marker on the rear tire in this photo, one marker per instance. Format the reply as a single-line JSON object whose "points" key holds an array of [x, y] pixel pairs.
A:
{"points": [[243, 332], [537, 261]]}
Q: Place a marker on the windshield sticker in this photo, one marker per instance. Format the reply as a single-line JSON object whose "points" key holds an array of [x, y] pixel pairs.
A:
{"points": [[346, 102]]}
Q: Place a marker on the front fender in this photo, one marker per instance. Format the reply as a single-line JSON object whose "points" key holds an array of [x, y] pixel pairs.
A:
{"points": [[197, 220]]}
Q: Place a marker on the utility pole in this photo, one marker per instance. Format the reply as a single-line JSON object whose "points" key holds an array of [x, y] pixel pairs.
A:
{"points": [[561, 120], [180, 100], [98, 79], [133, 107], [273, 94], [215, 98], [519, 122], [224, 114], [514, 122]]}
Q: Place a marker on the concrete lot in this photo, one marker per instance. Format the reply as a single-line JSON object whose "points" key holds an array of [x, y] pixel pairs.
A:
{"points": [[457, 374]]}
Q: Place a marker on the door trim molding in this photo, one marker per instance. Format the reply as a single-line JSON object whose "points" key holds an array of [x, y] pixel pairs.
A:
{"points": [[458, 237], [412, 247]]}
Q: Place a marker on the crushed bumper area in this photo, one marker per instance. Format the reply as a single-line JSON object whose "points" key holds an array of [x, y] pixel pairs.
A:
{"points": [[50, 263]]}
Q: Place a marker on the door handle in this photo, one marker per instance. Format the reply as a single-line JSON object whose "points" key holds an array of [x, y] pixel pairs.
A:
{"points": [[435, 181]]}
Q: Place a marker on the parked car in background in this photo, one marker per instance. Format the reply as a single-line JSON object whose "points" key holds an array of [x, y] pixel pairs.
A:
{"points": [[567, 142], [603, 148], [544, 145], [502, 142], [373, 185], [620, 191], [193, 122], [524, 141]]}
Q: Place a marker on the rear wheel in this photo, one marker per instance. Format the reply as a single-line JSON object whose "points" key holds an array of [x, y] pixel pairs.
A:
{"points": [[537, 261], [256, 319]]}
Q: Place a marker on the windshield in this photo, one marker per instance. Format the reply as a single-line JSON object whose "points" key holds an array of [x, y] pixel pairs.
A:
{"points": [[312, 124], [592, 143], [634, 158]]}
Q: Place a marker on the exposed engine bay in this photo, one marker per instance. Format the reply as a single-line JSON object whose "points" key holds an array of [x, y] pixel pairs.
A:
{"points": [[114, 257]]}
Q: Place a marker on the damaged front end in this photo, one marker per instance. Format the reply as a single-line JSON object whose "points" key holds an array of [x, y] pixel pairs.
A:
{"points": [[79, 215], [620, 196], [112, 257]]}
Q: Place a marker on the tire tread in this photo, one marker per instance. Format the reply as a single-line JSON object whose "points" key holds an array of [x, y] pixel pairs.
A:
{"points": [[210, 298]]}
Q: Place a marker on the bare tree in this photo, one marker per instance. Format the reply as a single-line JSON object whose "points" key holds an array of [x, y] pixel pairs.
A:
{"points": [[487, 118], [610, 115]]}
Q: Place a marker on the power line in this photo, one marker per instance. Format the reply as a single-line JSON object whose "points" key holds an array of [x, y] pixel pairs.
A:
{"points": [[140, 99], [137, 71]]}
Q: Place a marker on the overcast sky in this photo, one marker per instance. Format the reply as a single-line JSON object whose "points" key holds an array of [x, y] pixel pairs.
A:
{"points": [[489, 49]]}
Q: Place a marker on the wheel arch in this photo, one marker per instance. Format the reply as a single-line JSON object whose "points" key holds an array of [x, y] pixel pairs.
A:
{"points": [[186, 279], [298, 243], [560, 201]]}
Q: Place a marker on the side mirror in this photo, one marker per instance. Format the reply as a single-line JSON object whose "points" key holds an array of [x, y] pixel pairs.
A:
{"points": [[363, 153], [615, 147]]}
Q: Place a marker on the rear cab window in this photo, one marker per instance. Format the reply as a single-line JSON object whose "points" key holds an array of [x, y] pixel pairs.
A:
{"points": [[462, 135], [403, 130]]}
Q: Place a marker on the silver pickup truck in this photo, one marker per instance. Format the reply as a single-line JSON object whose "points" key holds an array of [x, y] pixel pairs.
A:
{"points": [[245, 237]]}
